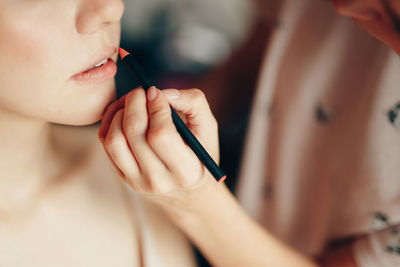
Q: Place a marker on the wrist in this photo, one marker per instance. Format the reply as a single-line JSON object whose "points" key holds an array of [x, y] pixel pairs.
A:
{"points": [[199, 202]]}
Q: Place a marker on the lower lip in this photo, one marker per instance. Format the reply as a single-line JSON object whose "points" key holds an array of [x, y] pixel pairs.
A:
{"points": [[97, 75]]}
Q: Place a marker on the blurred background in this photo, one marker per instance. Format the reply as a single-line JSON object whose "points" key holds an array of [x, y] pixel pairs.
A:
{"points": [[214, 45], [181, 40]]}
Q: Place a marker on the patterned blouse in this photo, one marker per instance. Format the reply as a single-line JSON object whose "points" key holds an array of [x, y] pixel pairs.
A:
{"points": [[321, 163]]}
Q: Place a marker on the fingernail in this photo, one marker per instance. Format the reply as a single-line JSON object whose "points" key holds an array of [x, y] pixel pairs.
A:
{"points": [[152, 93], [171, 93]]}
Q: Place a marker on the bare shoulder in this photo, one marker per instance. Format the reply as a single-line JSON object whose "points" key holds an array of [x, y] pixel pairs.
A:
{"points": [[82, 219]]}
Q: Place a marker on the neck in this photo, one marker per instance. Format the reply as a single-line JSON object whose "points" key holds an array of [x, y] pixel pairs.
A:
{"points": [[25, 156]]}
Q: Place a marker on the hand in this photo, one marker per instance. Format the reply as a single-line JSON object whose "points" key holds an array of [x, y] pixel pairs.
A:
{"points": [[139, 137]]}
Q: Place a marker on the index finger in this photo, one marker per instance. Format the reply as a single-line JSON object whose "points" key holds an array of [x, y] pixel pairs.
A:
{"points": [[109, 115]]}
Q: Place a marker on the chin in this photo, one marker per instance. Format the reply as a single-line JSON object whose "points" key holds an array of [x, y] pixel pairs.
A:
{"points": [[83, 108], [87, 122], [80, 116], [93, 107], [78, 121]]}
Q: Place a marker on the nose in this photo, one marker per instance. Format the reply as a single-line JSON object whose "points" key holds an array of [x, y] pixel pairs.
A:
{"points": [[92, 15], [358, 9]]}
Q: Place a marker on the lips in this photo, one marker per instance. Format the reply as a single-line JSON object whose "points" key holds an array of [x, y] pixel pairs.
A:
{"points": [[101, 56], [98, 74], [101, 67]]}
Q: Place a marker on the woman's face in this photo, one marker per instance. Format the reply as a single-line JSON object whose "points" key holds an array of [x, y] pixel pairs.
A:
{"points": [[379, 17], [43, 44]]}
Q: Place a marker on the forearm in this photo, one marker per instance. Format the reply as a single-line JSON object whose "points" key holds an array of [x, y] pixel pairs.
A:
{"points": [[227, 236]]}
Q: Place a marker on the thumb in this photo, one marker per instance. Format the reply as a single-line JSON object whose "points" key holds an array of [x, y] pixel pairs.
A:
{"points": [[193, 104]]}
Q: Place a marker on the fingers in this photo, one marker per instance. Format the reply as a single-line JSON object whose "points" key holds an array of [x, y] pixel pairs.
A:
{"points": [[143, 144], [134, 125], [200, 120], [194, 105], [119, 152], [108, 116], [166, 142]]}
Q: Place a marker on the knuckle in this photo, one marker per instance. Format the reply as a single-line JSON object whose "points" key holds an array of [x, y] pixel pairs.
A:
{"points": [[159, 188], [198, 94], [113, 141], [115, 105], [133, 127], [185, 183], [160, 110], [199, 98], [159, 136], [109, 110], [133, 95], [118, 115], [189, 181]]}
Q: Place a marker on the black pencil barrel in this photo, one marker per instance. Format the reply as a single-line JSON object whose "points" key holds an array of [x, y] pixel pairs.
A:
{"points": [[195, 145], [181, 127], [135, 67]]}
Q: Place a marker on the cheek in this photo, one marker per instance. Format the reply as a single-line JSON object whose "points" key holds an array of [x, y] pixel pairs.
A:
{"points": [[27, 37], [25, 52], [19, 51], [39, 52], [34, 68]]}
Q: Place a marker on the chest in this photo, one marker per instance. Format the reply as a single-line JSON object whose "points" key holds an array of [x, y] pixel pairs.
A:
{"points": [[72, 229]]}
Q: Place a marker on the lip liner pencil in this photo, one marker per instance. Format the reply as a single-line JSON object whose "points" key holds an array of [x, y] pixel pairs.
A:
{"points": [[182, 129]]}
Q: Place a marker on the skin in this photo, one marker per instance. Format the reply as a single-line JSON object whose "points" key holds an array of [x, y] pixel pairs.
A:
{"points": [[43, 44], [42, 92], [138, 135]]}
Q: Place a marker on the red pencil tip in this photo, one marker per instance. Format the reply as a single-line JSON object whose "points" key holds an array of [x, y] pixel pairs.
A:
{"points": [[123, 53], [222, 180]]}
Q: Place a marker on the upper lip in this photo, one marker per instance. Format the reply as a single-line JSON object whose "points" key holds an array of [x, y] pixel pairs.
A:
{"points": [[100, 56]]}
